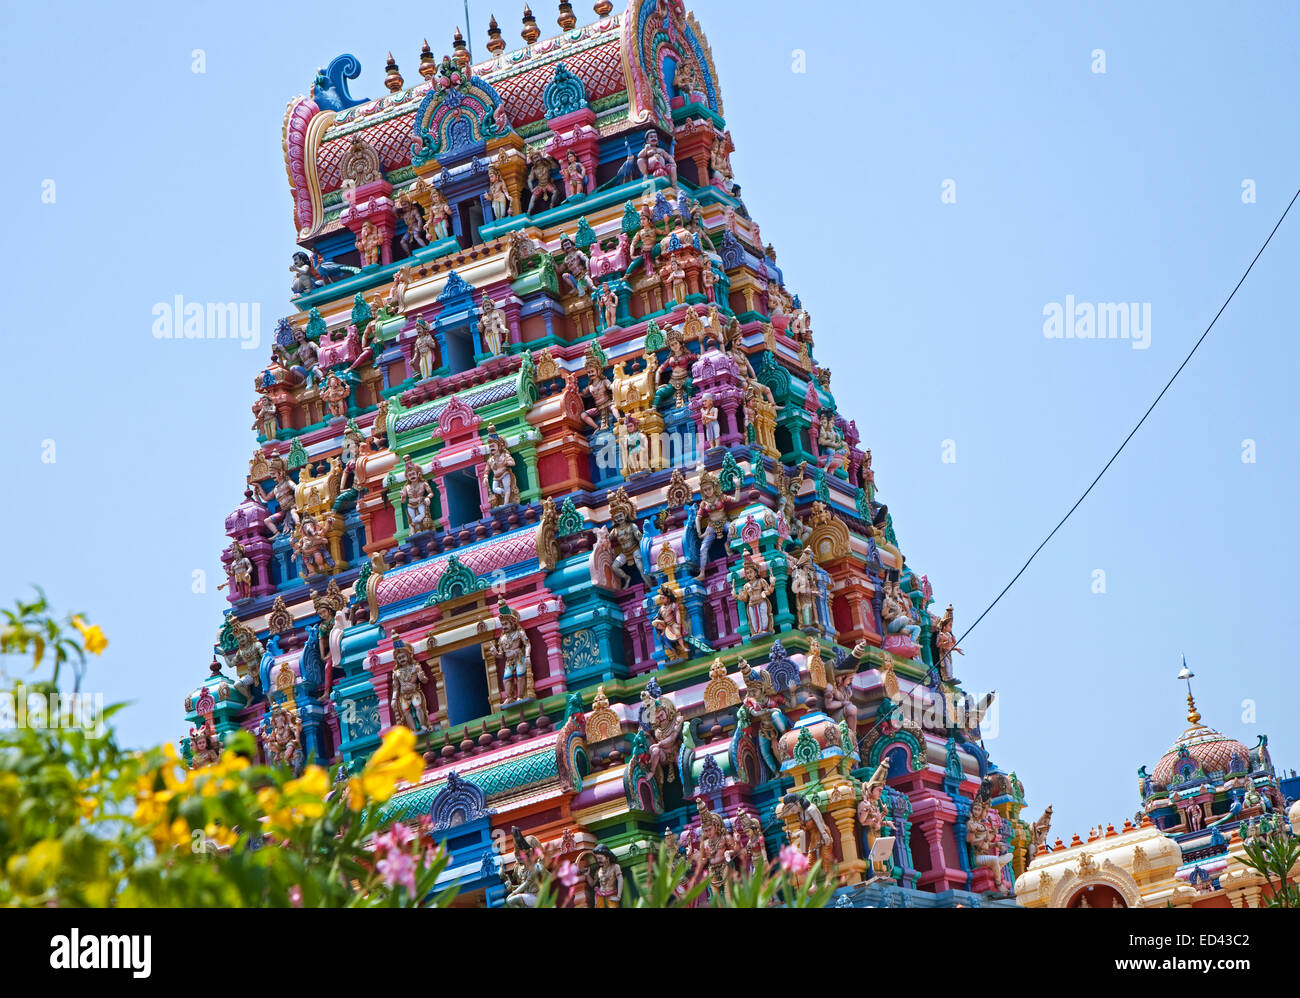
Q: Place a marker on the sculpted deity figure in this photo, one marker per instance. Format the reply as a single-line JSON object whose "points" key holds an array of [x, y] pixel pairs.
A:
{"points": [[524, 880], [831, 442], [369, 243], [709, 420], [492, 324], [655, 161], [787, 489], [666, 726], [982, 837], [670, 622], [304, 275], [606, 878], [625, 534], [812, 838], [205, 747], [677, 365], [541, 182], [867, 476], [576, 268], [715, 845], [749, 841], [282, 738], [799, 326], [265, 420], [735, 348], [246, 658], [335, 393], [804, 585], [763, 704], [638, 449], [312, 546], [837, 698], [499, 471], [395, 303], [708, 279], [895, 613], [499, 193], [946, 642], [240, 572], [676, 280], [437, 224], [425, 349], [302, 359], [575, 176], [870, 812], [282, 491], [407, 701], [607, 299], [601, 392], [413, 218], [417, 498], [515, 651], [754, 592], [720, 163], [711, 517]]}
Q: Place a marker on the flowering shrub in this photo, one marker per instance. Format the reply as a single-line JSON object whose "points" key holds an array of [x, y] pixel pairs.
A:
{"points": [[84, 822]]}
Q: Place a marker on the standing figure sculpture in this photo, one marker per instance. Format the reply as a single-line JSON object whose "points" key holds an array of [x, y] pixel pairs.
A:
{"points": [[499, 471], [711, 517], [413, 218], [625, 533], [541, 183], [499, 193], [407, 701], [369, 243], [492, 324], [755, 589], [576, 268], [437, 224], [417, 498], [240, 572], [606, 878], [284, 494], [709, 420], [265, 420], [830, 442], [607, 299], [575, 176], [638, 448], [425, 349], [601, 392], [871, 814], [282, 737], [804, 585], [811, 836], [515, 651], [670, 622]]}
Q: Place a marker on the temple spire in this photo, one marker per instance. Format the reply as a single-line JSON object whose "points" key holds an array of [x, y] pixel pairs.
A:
{"points": [[530, 33], [495, 43], [392, 75]]}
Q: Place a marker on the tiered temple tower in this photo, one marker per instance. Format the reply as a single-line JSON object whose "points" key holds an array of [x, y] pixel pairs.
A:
{"points": [[548, 471]]}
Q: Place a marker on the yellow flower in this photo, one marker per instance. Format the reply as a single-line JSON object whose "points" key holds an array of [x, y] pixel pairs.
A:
{"points": [[314, 784], [92, 637], [392, 762], [356, 795], [219, 834]]}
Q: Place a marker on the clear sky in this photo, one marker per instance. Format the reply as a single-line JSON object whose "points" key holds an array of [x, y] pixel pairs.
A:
{"points": [[1122, 186]]}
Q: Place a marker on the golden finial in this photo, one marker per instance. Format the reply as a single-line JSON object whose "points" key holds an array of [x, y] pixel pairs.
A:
{"points": [[1193, 715], [427, 64], [566, 20], [602, 7], [495, 43], [530, 33], [392, 75], [459, 50]]}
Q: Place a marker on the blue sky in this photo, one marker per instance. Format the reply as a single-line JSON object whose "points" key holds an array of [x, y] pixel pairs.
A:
{"points": [[1123, 186]]}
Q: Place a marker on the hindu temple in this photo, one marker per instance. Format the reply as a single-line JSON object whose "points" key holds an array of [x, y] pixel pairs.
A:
{"points": [[548, 470], [1203, 801]]}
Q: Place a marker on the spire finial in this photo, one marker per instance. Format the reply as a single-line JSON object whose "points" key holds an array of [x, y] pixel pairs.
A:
{"points": [[428, 65], [1193, 715], [392, 75], [495, 43], [530, 33]]}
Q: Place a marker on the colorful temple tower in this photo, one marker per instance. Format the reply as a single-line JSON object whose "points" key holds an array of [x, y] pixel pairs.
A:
{"points": [[1205, 799], [549, 472]]}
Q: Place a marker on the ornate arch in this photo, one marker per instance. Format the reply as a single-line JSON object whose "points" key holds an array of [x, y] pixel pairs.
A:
{"points": [[458, 803], [1089, 874]]}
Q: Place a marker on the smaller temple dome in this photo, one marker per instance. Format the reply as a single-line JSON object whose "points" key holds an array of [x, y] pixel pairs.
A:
{"points": [[1200, 747]]}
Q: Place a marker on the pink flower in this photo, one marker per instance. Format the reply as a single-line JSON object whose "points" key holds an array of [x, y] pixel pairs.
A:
{"points": [[793, 861], [397, 868], [295, 896], [568, 873], [395, 839], [455, 78]]}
